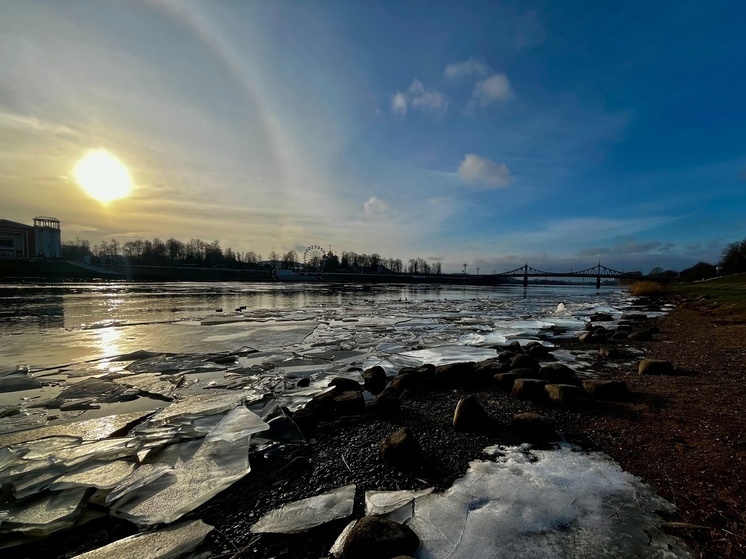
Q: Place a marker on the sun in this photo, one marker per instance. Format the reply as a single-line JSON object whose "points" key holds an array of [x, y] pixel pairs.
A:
{"points": [[103, 177]]}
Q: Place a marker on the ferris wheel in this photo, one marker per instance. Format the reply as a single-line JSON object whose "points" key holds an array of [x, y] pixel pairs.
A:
{"points": [[313, 256]]}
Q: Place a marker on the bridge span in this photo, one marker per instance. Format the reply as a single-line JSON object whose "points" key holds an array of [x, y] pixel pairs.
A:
{"points": [[599, 272]]}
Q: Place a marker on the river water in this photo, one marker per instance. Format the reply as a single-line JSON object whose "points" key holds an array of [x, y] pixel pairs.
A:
{"points": [[55, 324]]}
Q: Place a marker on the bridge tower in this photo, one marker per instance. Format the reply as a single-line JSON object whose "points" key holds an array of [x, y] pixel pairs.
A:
{"points": [[598, 275], [525, 275]]}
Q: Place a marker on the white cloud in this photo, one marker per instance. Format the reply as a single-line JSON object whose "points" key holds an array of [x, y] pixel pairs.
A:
{"points": [[473, 67], [399, 104], [419, 98], [375, 206], [478, 170], [494, 88]]}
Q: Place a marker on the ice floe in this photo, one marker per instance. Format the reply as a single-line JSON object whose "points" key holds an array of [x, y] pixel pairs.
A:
{"points": [[305, 514]]}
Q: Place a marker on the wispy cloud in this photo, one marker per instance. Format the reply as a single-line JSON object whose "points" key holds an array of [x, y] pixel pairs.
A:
{"points": [[375, 206], [487, 91], [481, 172], [471, 68], [419, 98]]}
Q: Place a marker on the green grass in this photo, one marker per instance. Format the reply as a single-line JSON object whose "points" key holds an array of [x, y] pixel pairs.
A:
{"points": [[728, 290]]}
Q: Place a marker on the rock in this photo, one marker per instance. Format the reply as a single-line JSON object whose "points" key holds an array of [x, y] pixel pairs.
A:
{"points": [[566, 394], [593, 337], [606, 389], [505, 356], [322, 405], [375, 537], [387, 402], [307, 422], [454, 374], [514, 346], [402, 381], [375, 380], [610, 353], [485, 371], [401, 450], [506, 380], [537, 351], [349, 402], [470, 415], [342, 384], [304, 382], [523, 361], [528, 389], [601, 317], [656, 367], [641, 336], [533, 427], [558, 373], [634, 316], [619, 335]]}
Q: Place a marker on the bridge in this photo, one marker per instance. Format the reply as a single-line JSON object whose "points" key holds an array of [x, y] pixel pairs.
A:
{"points": [[599, 272]]}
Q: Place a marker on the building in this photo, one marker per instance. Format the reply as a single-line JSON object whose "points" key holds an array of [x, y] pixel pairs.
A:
{"points": [[43, 239]]}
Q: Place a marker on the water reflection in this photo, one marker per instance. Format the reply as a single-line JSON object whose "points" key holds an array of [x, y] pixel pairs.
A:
{"points": [[109, 340]]}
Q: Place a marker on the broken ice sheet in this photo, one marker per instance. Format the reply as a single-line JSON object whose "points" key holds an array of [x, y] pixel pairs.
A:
{"points": [[385, 502], [220, 460], [199, 405], [101, 476], [305, 514], [544, 504], [442, 355], [46, 512], [153, 384], [168, 543], [143, 475], [89, 430]]}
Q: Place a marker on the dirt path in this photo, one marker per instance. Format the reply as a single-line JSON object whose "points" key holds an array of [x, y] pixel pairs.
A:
{"points": [[686, 435]]}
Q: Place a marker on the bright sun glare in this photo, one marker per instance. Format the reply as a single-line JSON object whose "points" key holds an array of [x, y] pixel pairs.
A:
{"points": [[103, 176]]}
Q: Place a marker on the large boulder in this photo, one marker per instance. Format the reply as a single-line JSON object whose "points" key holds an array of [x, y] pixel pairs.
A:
{"points": [[401, 450], [387, 402], [307, 422], [470, 415], [375, 379], [454, 374], [566, 394], [606, 389], [349, 402], [533, 427], [528, 389], [558, 373], [656, 367], [506, 380], [342, 384], [524, 361], [375, 537]]}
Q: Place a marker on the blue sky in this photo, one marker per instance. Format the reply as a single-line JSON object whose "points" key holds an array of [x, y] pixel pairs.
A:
{"points": [[489, 133]]}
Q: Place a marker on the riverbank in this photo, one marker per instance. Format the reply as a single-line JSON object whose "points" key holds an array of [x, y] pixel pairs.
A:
{"points": [[681, 433]]}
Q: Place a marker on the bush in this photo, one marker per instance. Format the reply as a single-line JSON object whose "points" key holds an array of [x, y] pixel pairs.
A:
{"points": [[646, 288]]}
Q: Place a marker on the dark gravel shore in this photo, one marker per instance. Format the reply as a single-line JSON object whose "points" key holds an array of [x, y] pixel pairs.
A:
{"points": [[684, 434]]}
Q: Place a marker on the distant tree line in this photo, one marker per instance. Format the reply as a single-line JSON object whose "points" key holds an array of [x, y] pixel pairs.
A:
{"points": [[197, 252]]}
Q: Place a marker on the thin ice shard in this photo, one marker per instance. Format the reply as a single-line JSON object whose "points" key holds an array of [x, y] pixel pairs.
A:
{"points": [[199, 405], [220, 460], [88, 430], [101, 476], [385, 502], [46, 513], [168, 543], [308, 513], [142, 476]]}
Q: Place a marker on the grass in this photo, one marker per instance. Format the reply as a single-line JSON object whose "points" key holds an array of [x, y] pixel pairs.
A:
{"points": [[728, 291]]}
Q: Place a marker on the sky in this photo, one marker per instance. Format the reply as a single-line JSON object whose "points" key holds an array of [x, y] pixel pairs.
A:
{"points": [[488, 133]]}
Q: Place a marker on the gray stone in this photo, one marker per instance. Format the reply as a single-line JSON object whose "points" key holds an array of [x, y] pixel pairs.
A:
{"points": [[528, 389], [401, 450], [470, 415], [656, 367], [375, 537], [375, 379], [606, 389], [566, 394]]}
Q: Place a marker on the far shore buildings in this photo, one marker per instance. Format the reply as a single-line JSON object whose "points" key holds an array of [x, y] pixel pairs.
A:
{"points": [[43, 239]]}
